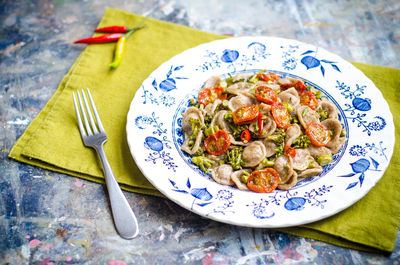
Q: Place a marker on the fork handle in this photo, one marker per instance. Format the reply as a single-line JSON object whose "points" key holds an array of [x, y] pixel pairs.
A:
{"points": [[124, 219]]}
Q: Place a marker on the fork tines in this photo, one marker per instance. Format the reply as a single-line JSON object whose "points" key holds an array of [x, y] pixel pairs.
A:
{"points": [[87, 130]]}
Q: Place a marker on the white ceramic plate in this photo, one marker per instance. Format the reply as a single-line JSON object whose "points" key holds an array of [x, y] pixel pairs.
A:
{"points": [[155, 136]]}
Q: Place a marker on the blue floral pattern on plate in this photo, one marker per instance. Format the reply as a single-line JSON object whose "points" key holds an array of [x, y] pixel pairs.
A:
{"points": [[309, 60], [154, 144], [155, 136], [358, 106]]}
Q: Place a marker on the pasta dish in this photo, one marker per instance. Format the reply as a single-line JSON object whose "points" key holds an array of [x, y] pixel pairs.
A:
{"points": [[261, 132]]}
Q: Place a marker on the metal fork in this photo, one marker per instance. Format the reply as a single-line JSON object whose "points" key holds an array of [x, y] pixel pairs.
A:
{"points": [[95, 136]]}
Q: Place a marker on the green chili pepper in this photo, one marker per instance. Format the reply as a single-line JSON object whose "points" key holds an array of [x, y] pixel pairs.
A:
{"points": [[119, 52]]}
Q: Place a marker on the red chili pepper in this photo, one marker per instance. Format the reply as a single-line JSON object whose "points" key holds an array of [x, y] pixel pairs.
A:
{"points": [[260, 124], [290, 151], [101, 39], [245, 136], [113, 29]]}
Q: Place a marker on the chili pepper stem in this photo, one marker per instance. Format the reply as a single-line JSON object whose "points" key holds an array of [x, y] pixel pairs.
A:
{"points": [[137, 27]]}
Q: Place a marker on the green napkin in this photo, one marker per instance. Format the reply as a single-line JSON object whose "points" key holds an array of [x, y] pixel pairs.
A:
{"points": [[52, 140]]}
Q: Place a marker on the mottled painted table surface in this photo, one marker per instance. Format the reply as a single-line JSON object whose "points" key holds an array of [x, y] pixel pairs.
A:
{"points": [[50, 218]]}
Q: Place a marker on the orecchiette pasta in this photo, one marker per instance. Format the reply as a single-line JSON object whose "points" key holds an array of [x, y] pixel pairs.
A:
{"points": [[260, 132]]}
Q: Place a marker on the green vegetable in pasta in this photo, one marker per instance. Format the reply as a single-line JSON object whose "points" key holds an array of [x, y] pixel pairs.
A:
{"points": [[303, 141], [288, 106], [245, 177], [253, 79], [199, 152], [228, 117], [211, 130], [267, 163], [228, 82], [203, 162], [278, 137], [324, 160], [234, 158], [279, 140], [208, 119], [279, 151], [196, 126], [317, 93], [323, 114]]}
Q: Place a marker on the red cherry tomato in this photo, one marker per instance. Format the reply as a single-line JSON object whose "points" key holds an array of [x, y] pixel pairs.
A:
{"points": [[264, 180], [245, 115], [299, 85], [318, 134], [217, 143], [209, 95], [309, 99], [281, 115], [266, 95], [290, 151], [268, 76], [245, 136]]}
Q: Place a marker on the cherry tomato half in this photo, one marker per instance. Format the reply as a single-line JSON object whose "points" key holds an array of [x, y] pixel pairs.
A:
{"points": [[245, 136], [318, 134], [266, 95], [281, 115], [290, 151], [217, 143], [309, 99], [209, 95], [268, 76], [245, 115], [264, 180], [299, 85]]}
